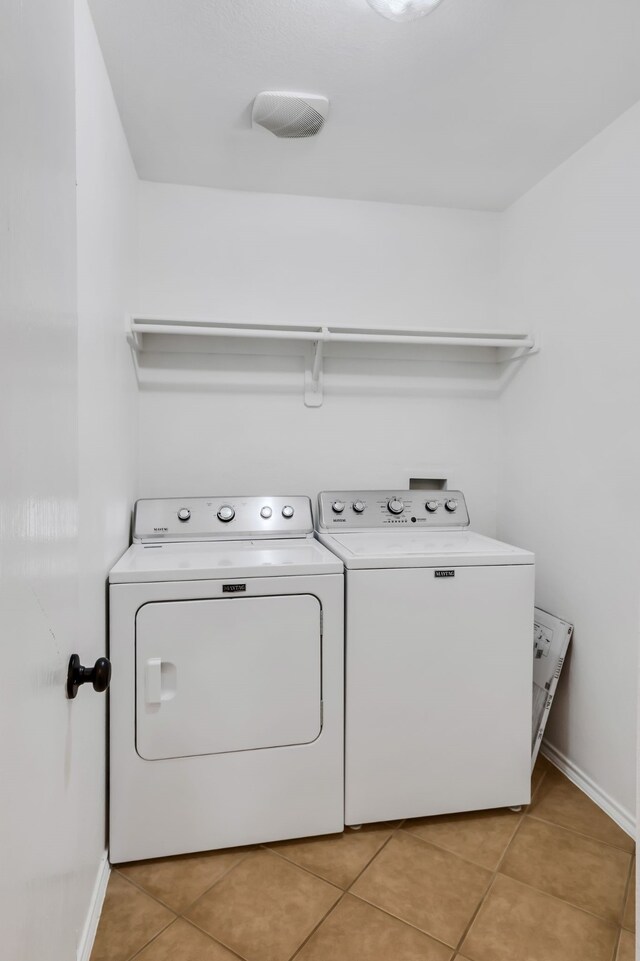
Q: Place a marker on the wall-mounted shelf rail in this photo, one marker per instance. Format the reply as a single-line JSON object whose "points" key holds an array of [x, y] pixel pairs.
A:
{"points": [[513, 346]]}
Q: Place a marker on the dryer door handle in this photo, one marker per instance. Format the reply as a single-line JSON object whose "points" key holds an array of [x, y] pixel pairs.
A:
{"points": [[153, 680]]}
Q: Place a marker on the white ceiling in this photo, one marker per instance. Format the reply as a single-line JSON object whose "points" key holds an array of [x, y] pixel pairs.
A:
{"points": [[467, 107]]}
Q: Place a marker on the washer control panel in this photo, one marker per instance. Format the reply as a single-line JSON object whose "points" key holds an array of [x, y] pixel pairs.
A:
{"points": [[396, 509], [174, 519]]}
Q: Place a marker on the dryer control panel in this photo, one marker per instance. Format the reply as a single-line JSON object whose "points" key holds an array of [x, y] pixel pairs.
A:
{"points": [[441, 510], [232, 518]]}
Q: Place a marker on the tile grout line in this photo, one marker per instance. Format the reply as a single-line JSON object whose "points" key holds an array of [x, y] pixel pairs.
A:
{"points": [[215, 940], [520, 818], [154, 938], [404, 921], [537, 787], [400, 828], [553, 896], [546, 893], [575, 831], [180, 914], [396, 830], [343, 891], [139, 887], [627, 892], [461, 857], [526, 813], [570, 904], [321, 877], [590, 837], [377, 907], [176, 914], [616, 945], [579, 834], [137, 951], [563, 900], [221, 944], [270, 851], [320, 922], [130, 957], [295, 864], [494, 875], [224, 874], [379, 851]]}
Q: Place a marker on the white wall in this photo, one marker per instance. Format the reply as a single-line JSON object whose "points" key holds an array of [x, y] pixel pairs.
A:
{"points": [[46, 872], [219, 423], [570, 269], [107, 406], [280, 259]]}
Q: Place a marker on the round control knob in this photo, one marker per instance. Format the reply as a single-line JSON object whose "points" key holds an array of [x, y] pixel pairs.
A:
{"points": [[266, 512], [184, 514], [226, 514], [432, 506], [337, 507], [395, 506], [287, 511], [359, 506], [451, 505]]}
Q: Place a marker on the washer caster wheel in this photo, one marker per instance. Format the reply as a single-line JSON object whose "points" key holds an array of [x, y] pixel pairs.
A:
{"points": [[517, 809], [354, 827]]}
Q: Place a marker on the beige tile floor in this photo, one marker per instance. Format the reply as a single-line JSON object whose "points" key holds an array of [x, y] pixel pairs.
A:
{"points": [[552, 883]]}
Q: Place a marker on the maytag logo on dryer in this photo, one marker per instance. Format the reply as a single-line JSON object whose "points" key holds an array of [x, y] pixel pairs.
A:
{"points": [[444, 573], [160, 530], [233, 588]]}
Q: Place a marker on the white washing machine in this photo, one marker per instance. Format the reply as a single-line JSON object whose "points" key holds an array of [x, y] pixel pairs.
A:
{"points": [[439, 625], [226, 698]]}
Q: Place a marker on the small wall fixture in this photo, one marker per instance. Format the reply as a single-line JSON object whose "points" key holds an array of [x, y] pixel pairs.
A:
{"points": [[403, 9], [99, 675], [290, 114]]}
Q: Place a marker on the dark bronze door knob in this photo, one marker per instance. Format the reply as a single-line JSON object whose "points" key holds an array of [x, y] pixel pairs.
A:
{"points": [[99, 675]]}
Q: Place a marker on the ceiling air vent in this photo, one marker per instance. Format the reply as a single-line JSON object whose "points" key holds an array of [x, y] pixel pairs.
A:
{"points": [[290, 114]]}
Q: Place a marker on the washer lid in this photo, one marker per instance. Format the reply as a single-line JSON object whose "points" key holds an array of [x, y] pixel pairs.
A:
{"points": [[223, 560], [422, 549]]}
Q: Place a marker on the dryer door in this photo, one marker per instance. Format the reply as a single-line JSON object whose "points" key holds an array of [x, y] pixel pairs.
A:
{"points": [[230, 674]]}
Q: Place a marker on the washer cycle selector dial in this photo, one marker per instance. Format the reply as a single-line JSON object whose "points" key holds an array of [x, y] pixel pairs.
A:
{"points": [[226, 514], [432, 506], [266, 512], [337, 507], [359, 506], [451, 505], [287, 511], [184, 514], [395, 506]]}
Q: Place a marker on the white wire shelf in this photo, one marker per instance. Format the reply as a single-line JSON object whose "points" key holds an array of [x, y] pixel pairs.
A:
{"points": [[512, 345]]}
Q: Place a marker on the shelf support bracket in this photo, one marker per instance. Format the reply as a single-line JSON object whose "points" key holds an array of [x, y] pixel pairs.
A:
{"points": [[314, 372], [519, 353], [133, 337]]}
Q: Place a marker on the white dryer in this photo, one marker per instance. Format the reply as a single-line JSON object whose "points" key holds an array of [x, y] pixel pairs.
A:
{"points": [[226, 698], [438, 661]]}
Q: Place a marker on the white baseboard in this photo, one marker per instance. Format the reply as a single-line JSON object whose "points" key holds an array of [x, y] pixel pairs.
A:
{"points": [[88, 935], [625, 819]]}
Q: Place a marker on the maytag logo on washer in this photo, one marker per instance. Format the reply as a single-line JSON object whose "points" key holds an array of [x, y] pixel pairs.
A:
{"points": [[444, 573], [233, 588]]}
